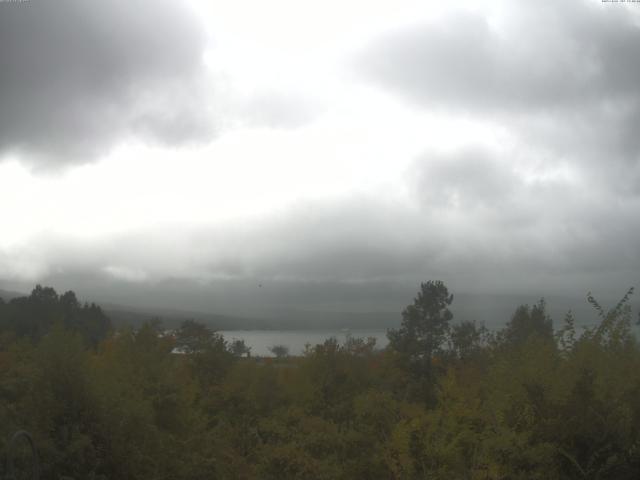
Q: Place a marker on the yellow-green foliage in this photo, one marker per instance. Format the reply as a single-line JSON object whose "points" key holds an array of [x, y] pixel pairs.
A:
{"points": [[510, 405]]}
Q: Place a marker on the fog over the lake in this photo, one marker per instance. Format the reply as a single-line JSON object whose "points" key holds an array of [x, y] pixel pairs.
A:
{"points": [[246, 157]]}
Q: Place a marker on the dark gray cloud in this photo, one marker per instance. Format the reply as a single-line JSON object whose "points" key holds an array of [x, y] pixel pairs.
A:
{"points": [[550, 56], [469, 178], [562, 77], [527, 231], [77, 76]]}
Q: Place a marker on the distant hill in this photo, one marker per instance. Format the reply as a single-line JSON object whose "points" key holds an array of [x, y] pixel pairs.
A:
{"points": [[277, 319], [316, 319], [493, 310], [122, 316], [286, 319], [7, 295]]}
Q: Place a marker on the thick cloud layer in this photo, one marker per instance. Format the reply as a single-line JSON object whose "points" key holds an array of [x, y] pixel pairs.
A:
{"points": [[542, 57], [501, 156], [562, 80], [562, 76], [372, 252], [77, 76]]}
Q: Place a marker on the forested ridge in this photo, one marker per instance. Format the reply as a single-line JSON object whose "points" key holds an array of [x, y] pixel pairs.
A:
{"points": [[445, 399]]}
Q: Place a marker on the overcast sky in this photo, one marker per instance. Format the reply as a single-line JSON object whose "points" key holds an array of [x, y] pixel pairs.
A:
{"points": [[336, 153]]}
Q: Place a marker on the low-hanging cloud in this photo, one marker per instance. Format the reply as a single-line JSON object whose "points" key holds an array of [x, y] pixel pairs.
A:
{"points": [[548, 238], [77, 77]]}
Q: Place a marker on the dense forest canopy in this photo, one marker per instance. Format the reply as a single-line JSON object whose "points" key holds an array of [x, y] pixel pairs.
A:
{"points": [[33, 316], [444, 400]]}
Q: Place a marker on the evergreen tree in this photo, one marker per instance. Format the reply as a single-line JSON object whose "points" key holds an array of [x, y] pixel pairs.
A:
{"points": [[424, 329], [526, 322]]}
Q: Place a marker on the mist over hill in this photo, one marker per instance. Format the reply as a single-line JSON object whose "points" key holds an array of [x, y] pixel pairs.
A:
{"points": [[8, 295], [356, 312]]}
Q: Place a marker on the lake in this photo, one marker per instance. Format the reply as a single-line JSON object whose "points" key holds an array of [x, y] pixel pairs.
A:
{"points": [[295, 340]]}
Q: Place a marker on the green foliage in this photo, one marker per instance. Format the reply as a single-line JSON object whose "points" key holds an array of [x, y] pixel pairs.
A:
{"points": [[527, 322], [520, 403], [239, 348], [425, 323], [280, 351], [195, 337], [35, 315], [468, 340], [423, 332]]}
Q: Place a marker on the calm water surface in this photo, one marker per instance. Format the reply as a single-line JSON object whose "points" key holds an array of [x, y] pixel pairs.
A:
{"points": [[261, 340]]}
